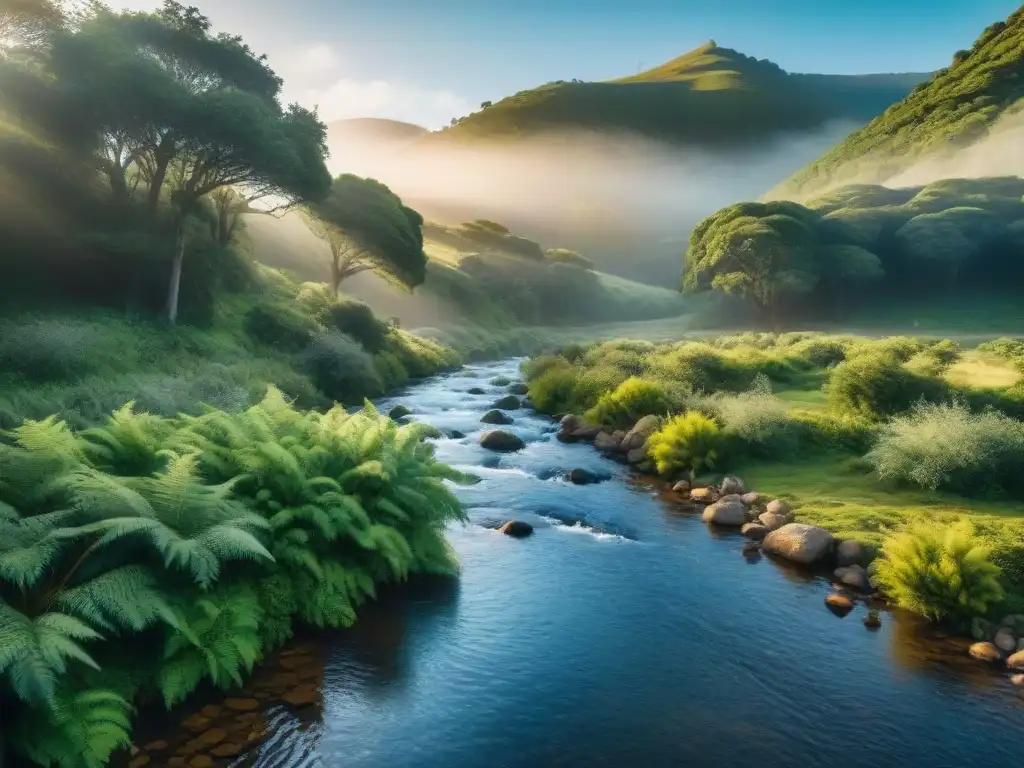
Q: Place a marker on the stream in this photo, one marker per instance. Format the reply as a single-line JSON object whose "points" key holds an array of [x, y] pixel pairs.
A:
{"points": [[623, 632]]}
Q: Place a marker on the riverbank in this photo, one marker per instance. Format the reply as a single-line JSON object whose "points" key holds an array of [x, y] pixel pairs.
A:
{"points": [[842, 442], [618, 605]]}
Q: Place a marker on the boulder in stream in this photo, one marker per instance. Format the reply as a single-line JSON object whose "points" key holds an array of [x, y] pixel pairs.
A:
{"points": [[568, 424], [852, 576], [501, 441], [985, 652], [773, 521], [518, 388], [587, 433], [839, 604], [638, 435], [731, 513], [779, 507], [495, 416], [849, 552], [637, 455], [799, 543], [580, 476], [1016, 660], [754, 531], [750, 498], [1005, 641], [606, 442], [508, 403], [398, 412], [476, 391], [517, 529], [703, 495]]}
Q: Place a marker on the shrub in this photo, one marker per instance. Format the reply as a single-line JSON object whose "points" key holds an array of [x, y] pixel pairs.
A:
{"points": [[629, 402], [279, 327], [817, 430], [553, 391], [939, 572], [947, 446], [700, 367], [341, 368], [689, 442], [756, 421], [356, 319], [945, 352], [55, 349], [900, 348], [877, 385], [821, 353]]}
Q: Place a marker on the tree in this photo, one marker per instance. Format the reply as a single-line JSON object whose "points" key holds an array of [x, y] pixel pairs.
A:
{"points": [[486, 104], [566, 256], [368, 228], [26, 26]]}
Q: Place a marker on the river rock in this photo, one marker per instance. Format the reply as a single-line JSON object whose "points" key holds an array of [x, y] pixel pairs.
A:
{"points": [[725, 513], [838, 603], [638, 435], [517, 529], [475, 391], [731, 498], [751, 498], [849, 552], [703, 495], [984, 652], [581, 476], [587, 433], [637, 455], [800, 543], [754, 531], [567, 425], [779, 507], [606, 442], [873, 619], [683, 486], [496, 417], [518, 388], [508, 403], [732, 484], [1005, 641], [773, 521], [852, 576], [398, 412], [500, 381], [751, 549], [454, 434], [201, 761], [1017, 679], [241, 705], [1016, 660], [501, 441]]}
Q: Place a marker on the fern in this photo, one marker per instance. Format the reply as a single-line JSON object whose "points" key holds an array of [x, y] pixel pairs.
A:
{"points": [[80, 730], [129, 444], [124, 599], [34, 652], [217, 637]]}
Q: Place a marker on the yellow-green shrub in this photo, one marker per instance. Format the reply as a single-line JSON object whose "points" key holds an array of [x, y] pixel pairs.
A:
{"points": [[630, 401], [688, 442]]}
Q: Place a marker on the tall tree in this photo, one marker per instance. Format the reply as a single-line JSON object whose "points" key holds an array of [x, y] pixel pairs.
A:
{"points": [[26, 26], [368, 228]]}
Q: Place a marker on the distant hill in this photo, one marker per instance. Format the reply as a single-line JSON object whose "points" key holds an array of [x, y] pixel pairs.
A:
{"points": [[709, 96], [351, 142], [954, 111]]}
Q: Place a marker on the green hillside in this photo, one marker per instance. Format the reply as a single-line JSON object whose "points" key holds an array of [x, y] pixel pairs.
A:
{"points": [[711, 95], [955, 109]]}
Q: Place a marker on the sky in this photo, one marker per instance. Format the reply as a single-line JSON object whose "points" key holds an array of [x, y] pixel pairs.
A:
{"points": [[426, 61]]}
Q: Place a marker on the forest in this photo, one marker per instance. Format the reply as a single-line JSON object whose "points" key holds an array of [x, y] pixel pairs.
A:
{"points": [[862, 245]]}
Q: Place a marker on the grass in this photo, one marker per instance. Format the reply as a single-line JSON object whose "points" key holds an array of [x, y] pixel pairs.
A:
{"points": [[975, 369]]}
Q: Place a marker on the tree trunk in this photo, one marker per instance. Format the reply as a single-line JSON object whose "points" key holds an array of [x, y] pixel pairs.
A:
{"points": [[118, 185], [162, 159], [175, 285]]}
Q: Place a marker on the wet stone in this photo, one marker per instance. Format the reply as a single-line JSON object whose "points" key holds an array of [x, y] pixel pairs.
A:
{"points": [[241, 705]]}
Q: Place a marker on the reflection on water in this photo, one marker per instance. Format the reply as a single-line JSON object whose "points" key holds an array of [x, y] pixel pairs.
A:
{"points": [[623, 632]]}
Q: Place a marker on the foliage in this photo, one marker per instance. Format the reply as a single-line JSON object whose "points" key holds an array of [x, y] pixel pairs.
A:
{"points": [[354, 318], [200, 531], [873, 386], [690, 442], [755, 422], [628, 403], [939, 572], [277, 326], [566, 256], [340, 367], [947, 446], [368, 228]]}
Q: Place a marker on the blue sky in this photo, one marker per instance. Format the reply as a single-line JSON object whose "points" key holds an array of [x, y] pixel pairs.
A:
{"points": [[428, 60]]}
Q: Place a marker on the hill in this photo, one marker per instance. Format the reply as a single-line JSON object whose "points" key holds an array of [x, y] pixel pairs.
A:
{"points": [[711, 96], [351, 142], [962, 106]]}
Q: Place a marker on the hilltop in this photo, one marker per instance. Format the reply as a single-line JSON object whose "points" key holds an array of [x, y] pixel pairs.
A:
{"points": [[964, 104], [710, 95]]}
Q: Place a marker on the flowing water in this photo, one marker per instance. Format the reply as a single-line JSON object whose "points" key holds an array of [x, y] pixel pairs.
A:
{"points": [[622, 633]]}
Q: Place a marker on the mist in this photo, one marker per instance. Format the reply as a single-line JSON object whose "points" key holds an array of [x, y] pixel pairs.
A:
{"points": [[627, 201]]}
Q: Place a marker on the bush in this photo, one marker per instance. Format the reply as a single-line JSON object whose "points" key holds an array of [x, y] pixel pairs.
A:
{"points": [[947, 446], [820, 353], [877, 385], [553, 391], [690, 442], [356, 319], [341, 368], [700, 367], [829, 431], [939, 572], [52, 349], [628, 403], [279, 327], [756, 421]]}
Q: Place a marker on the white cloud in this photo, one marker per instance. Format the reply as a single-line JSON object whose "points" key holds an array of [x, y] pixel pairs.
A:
{"points": [[314, 77]]}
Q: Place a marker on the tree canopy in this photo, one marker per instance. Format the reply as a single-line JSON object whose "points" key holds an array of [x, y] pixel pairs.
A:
{"points": [[861, 240], [368, 228]]}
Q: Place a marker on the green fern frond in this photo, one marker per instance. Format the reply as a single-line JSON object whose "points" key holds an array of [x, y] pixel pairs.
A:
{"points": [[125, 598]]}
